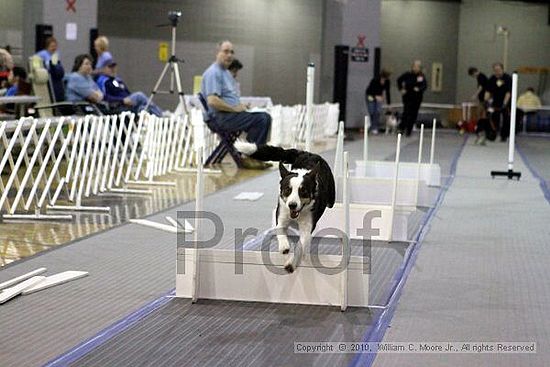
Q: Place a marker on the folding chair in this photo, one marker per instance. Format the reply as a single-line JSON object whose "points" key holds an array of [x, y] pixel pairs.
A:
{"points": [[227, 139], [48, 107]]}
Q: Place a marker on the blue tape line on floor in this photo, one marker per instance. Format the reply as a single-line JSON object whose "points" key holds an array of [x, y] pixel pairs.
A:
{"points": [[87, 346], [542, 182], [376, 332]]}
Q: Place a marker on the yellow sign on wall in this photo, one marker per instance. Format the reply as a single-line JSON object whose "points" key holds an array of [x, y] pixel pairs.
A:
{"points": [[163, 51], [197, 80]]}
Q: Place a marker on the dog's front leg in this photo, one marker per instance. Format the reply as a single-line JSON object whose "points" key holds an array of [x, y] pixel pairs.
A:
{"points": [[282, 236], [302, 249]]}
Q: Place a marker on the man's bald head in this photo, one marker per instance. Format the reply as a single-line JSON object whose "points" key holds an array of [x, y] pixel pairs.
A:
{"points": [[417, 66], [225, 53]]}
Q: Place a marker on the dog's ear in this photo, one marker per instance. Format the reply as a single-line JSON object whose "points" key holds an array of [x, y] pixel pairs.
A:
{"points": [[282, 169], [315, 170]]}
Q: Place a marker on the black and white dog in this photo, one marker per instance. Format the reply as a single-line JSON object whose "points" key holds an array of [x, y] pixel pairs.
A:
{"points": [[305, 191]]}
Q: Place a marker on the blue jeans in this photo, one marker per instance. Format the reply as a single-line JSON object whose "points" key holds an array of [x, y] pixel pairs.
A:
{"points": [[256, 124], [375, 110], [139, 101]]}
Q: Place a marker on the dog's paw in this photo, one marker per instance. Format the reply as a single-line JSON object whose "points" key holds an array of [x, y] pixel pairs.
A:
{"points": [[284, 246]]}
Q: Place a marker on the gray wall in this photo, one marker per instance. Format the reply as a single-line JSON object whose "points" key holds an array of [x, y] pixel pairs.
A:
{"points": [[53, 12], [11, 25], [479, 46], [425, 30], [274, 39], [343, 22]]}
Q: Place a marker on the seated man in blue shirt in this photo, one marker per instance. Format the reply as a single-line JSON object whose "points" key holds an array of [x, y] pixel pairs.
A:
{"points": [[224, 107], [115, 91]]}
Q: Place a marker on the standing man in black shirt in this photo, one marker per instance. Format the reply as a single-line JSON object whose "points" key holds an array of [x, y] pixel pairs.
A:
{"points": [[374, 96], [499, 90], [412, 85], [481, 87]]}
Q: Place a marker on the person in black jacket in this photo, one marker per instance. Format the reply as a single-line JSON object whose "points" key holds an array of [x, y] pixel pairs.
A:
{"points": [[481, 88], [116, 93], [412, 85], [497, 96], [374, 96]]}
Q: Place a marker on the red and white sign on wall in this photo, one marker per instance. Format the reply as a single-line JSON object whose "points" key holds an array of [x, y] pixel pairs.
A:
{"points": [[71, 6], [360, 53]]}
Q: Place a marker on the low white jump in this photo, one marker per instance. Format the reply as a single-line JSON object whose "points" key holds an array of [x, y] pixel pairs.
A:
{"points": [[429, 173], [248, 275], [389, 219]]}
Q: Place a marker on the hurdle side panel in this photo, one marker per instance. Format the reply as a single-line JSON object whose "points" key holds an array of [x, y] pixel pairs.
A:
{"points": [[257, 283], [334, 218], [429, 173]]}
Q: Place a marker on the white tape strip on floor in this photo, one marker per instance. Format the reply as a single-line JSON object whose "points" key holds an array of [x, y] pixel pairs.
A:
{"points": [[56, 279], [9, 293], [21, 278]]}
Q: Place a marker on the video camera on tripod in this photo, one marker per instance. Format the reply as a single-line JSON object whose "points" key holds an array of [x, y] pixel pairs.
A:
{"points": [[174, 17], [171, 64]]}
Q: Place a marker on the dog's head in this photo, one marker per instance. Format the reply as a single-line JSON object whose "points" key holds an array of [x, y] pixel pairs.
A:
{"points": [[298, 188]]}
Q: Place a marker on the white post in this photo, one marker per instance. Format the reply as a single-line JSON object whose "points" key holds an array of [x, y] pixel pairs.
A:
{"points": [[395, 181], [98, 141], [345, 241], [80, 156], [338, 157], [309, 103], [102, 156], [512, 143], [198, 208], [366, 139], [432, 149], [505, 57], [420, 146]]}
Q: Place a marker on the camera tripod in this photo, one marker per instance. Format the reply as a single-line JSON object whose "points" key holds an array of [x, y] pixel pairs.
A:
{"points": [[171, 64]]}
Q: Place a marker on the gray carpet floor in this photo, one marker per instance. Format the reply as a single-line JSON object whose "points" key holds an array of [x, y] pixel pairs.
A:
{"points": [[131, 265], [482, 271]]}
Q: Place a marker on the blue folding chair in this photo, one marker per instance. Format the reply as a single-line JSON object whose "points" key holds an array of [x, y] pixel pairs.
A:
{"points": [[227, 139]]}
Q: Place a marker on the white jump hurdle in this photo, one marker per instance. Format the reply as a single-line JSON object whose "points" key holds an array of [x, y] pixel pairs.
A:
{"points": [[430, 173], [372, 188], [393, 218], [211, 274]]}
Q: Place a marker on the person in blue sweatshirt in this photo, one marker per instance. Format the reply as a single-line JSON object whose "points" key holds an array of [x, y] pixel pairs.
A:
{"points": [[116, 92]]}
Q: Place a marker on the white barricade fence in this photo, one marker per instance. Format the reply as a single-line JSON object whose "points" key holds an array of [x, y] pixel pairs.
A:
{"points": [[30, 153], [198, 135], [324, 123], [98, 146], [53, 164], [277, 133]]}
